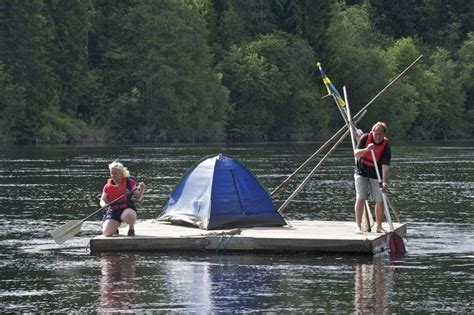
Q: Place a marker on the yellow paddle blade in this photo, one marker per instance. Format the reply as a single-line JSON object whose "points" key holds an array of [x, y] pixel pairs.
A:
{"points": [[66, 231]]}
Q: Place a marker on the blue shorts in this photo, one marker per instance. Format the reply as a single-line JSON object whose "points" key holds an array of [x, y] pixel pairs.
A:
{"points": [[115, 214]]}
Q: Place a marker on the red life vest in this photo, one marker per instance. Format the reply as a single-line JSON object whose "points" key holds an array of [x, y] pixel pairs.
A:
{"points": [[115, 191], [378, 149]]}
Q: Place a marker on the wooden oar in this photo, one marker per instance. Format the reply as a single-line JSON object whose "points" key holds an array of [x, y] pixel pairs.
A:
{"points": [[337, 135], [390, 203], [308, 177], [387, 86], [396, 245], [71, 228]]}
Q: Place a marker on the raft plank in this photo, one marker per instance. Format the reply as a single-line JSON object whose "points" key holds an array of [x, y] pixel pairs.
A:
{"points": [[299, 236]]}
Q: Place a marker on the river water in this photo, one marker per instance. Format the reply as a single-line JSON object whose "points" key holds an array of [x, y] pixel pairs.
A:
{"points": [[42, 187]]}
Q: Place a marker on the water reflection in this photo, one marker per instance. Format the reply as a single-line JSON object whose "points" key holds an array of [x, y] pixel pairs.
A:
{"points": [[370, 287], [243, 283], [189, 285], [117, 282]]}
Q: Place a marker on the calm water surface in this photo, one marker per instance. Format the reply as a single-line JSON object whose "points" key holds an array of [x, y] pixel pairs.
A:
{"points": [[42, 187]]}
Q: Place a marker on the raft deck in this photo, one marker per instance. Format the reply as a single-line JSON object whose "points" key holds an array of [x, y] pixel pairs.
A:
{"points": [[299, 236]]}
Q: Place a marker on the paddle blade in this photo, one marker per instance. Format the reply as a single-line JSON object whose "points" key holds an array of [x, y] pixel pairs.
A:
{"points": [[396, 245], [66, 231]]}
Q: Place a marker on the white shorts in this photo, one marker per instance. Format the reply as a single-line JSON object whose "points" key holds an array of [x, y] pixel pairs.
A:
{"points": [[362, 185]]}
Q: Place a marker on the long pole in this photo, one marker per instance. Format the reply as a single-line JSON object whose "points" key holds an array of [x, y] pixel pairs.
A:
{"points": [[308, 160], [349, 121], [308, 177], [367, 226], [388, 85], [340, 131], [390, 204]]}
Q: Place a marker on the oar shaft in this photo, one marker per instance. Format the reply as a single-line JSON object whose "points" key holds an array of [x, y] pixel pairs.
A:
{"points": [[287, 180], [349, 122], [308, 177], [387, 86], [387, 212], [390, 204], [303, 183], [384, 198]]}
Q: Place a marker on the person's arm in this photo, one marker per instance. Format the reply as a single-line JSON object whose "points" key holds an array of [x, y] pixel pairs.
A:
{"points": [[385, 177], [385, 173], [140, 192], [385, 161], [103, 200], [361, 152]]}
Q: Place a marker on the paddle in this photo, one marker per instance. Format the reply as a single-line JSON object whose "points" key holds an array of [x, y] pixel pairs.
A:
{"points": [[395, 242], [71, 228]]}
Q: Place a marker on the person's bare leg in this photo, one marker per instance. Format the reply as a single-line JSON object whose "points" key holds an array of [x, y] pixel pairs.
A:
{"points": [[358, 209], [379, 217], [109, 227], [129, 216]]}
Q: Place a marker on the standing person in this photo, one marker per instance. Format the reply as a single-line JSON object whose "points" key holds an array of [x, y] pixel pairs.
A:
{"points": [[124, 209], [366, 176]]}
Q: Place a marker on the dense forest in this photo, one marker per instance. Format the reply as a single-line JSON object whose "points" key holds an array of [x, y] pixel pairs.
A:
{"points": [[156, 71]]}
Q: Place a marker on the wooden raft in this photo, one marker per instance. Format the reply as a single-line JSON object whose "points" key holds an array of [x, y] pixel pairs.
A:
{"points": [[300, 236]]}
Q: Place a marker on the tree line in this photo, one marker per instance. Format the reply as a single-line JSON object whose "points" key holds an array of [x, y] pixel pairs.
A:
{"points": [[146, 71]]}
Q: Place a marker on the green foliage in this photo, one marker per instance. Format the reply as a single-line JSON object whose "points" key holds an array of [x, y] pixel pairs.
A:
{"points": [[256, 15], [24, 54], [358, 61], [306, 19], [45, 63], [252, 81], [229, 31], [164, 55], [61, 128], [12, 105], [450, 99], [465, 67], [215, 70], [69, 23], [401, 105], [270, 82], [442, 23]]}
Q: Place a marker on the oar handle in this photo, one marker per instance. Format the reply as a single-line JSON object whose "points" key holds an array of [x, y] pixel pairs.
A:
{"points": [[374, 161]]}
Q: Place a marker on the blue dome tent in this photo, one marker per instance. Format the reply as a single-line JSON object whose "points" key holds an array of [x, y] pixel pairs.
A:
{"points": [[220, 193]]}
